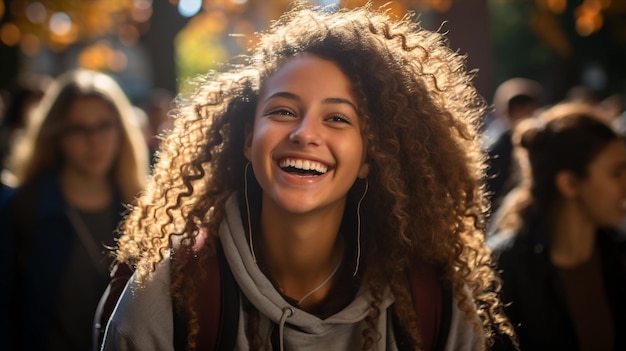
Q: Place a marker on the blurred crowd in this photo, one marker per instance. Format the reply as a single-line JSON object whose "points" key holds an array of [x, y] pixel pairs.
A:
{"points": [[75, 153], [556, 181]]}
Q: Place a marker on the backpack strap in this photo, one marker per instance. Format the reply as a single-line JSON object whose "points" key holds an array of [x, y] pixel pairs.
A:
{"points": [[218, 309], [230, 306], [432, 301], [219, 306], [446, 317], [120, 274]]}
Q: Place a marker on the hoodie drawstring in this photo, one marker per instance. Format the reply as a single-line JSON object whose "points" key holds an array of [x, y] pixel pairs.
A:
{"points": [[287, 312]]}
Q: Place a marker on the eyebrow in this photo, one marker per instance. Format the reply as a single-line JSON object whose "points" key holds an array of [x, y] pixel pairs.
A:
{"points": [[291, 96]]}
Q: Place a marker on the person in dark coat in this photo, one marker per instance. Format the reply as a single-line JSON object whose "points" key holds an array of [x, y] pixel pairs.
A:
{"points": [[81, 160], [514, 100], [560, 255]]}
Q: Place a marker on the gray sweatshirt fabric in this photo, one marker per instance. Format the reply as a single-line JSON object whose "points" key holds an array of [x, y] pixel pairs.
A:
{"points": [[142, 319]]}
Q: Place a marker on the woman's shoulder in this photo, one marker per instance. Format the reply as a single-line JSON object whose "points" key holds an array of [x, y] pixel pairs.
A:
{"points": [[143, 314], [20, 203], [46, 185]]}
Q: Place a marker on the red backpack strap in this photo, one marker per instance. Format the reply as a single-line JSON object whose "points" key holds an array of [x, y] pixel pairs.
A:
{"points": [[120, 275], [209, 306], [432, 301], [218, 308]]}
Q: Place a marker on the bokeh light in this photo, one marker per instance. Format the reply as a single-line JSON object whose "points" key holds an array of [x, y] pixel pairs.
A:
{"points": [[189, 8], [36, 12], [10, 34], [64, 22], [60, 24]]}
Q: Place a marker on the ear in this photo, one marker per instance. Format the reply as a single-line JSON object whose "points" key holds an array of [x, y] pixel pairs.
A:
{"points": [[364, 170], [567, 184], [247, 141]]}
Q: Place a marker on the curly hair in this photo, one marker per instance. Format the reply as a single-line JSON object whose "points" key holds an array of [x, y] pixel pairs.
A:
{"points": [[421, 115]]}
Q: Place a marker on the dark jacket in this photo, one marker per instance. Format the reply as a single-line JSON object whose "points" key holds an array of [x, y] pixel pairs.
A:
{"points": [[532, 286], [43, 270], [500, 178]]}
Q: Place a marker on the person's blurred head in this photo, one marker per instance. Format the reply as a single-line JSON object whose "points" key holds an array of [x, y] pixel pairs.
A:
{"points": [[91, 135], [85, 122], [517, 98], [23, 95], [157, 106], [21, 98], [572, 154]]}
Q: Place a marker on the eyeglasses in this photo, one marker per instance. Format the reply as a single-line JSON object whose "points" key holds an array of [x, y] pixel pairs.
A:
{"points": [[81, 131]]}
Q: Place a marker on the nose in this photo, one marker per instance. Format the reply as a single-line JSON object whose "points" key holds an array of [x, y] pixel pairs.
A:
{"points": [[307, 131], [95, 135]]}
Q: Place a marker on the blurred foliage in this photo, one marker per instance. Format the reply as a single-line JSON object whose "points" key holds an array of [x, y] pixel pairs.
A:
{"points": [[226, 28], [515, 45], [60, 23], [558, 41], [199, 46], [535, 38]]}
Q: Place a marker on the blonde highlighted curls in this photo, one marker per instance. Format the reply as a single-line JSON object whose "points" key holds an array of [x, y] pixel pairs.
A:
{"points": [[420, 114]]}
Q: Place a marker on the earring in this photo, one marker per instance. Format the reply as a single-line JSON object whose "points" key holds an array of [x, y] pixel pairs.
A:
{"points": [[358, 229], [245, 189]]}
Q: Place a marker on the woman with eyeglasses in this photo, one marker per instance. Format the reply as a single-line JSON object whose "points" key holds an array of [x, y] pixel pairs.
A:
{"points": [[83, 158]]}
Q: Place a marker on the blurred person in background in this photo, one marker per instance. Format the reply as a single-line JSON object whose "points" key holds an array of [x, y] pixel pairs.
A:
{"points": [[514, 100], [81, 159], [156, 107], [562, 259], [21, 98]]}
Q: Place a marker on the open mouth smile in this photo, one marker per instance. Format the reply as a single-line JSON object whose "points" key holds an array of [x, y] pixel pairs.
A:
{"points": [[302, 167]]}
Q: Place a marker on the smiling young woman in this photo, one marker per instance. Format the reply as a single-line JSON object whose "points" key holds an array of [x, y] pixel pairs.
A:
{"points": [[319, 173]]}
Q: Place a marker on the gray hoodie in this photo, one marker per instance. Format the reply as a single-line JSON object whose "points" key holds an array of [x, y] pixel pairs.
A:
{"points": [[142, 319]]}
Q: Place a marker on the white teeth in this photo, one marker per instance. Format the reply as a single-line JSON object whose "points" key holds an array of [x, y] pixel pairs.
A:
{"points": [[304, 165]]}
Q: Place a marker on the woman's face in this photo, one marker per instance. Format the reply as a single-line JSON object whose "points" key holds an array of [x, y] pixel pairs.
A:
{"points": [[91, 137], [306, 147], [602, 194]]}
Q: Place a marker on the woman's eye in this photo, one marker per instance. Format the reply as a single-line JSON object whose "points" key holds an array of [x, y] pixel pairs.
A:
{"points": [[280, 112], [339, 118]]}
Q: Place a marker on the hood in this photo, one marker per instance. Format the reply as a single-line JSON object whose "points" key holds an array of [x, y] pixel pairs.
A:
{"points": [[258, 289]]}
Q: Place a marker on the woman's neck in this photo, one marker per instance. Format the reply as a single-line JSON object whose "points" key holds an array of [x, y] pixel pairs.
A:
{"points": [[301, 251], [85, 192], [573, 238]]}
